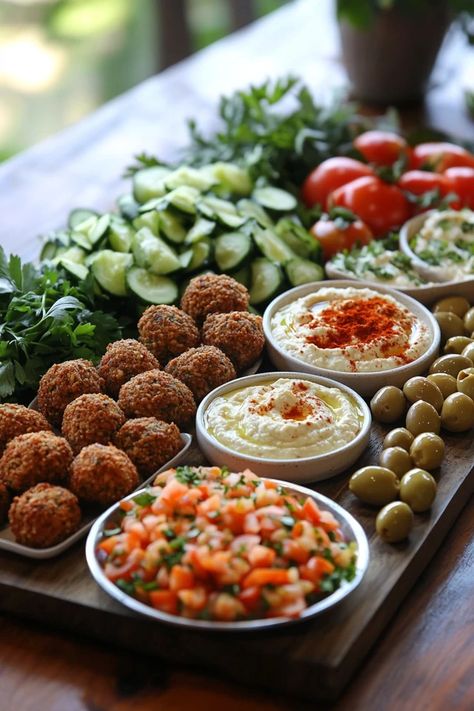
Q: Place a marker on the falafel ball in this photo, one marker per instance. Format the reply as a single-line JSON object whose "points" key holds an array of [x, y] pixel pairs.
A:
{"points": [[213, 293], [18, 419], [44, 516], [157, 394], [4, 503], [149, 443], [91, 418], [202, 369], [34, 458], [238, 334], [62, 383], [167, 331], [102, 474], [121, 361]]}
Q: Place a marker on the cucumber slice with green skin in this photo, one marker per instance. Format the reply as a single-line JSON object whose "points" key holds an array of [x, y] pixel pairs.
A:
{"points": [[251, 210], [79, 215], [242, 275], [183, 198], [73, 254], [150, 183], [272, 246], [80, 271], [128, 206], [231, 250], [48, 251], [275, 199], [222, 210], [81, 241], [201, 228], [230, 177], [109, 268], [302, 271], [152, 288], [171, 226], [201, 254], [150, 219], [186, 258], [266, 280], [153, 253], [193, 177], [120, 236], [298, 238], [93, 228]]}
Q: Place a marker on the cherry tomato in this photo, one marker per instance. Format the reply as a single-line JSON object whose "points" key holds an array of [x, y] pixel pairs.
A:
{"points": [[441, 156], [381, 206], [382, 148], [419, 182], [329, 175], [334, 238], [462, 183]]}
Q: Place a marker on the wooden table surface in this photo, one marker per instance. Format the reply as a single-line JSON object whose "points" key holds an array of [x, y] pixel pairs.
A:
{"points": [[424, 659]]}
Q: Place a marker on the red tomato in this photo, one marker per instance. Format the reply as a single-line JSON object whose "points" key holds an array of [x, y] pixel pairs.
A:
{"points": [[462, 183], [381, 206], [419, 182], [328, 176], [441, 156], [381, 147], [334, 239]]}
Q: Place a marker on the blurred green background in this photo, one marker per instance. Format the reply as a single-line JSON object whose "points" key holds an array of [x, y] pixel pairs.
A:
{"points": [[60, 59]]}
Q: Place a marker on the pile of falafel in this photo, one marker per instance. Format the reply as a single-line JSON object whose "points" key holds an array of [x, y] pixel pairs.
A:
{"points": [[120, 422]]}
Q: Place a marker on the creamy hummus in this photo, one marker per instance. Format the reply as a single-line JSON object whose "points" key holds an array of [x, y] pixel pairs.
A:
{"points": [[284, 419], [446, 244], [350, 330]]}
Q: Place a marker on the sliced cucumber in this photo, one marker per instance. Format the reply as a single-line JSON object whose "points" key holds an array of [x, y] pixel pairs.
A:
{"points": [[266, 280], [183, 198], [275, 199], [200, 229], [48, 251], [109, 268], [297, 238], [272, 246], [152, 288], [81, 241], [171, 226], [120, 236], [197, 178], [128, 206], [153, 253], [201, 253], [73, 254], [222, 210], [149, 219], [242, 275], [230, 177], [150, 183], [231, 249], [79, 215], [93, 228], [302, 271], [254, 211], [186, 258], [80, 271]]}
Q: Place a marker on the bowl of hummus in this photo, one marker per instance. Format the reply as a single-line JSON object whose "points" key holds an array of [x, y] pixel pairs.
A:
{"points": [[296, 426], [360, 335]]}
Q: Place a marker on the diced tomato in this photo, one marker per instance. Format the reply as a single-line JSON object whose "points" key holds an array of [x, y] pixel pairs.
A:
{"points": [[213, 562], [291, 609], [129, 566], [181, 578], [210, 505], [126, 505], [315, 568], [328, 522], [244, 543], [131, 525], [194, 599], [108, 544], [250, 598], [268, 576], [173, 491], [227, 608], [164, 600], [251, 523], [293, 550], [261, 556], [311, 511]]}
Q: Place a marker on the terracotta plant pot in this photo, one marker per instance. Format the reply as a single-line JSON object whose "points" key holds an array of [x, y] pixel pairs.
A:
{"points": [[390, 62]]}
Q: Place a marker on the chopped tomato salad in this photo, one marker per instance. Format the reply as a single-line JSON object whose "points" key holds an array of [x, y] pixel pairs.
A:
{"points": [[208, 544]]}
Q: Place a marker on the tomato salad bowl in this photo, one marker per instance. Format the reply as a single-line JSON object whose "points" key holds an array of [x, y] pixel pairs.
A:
{"points": [[210, 549]]}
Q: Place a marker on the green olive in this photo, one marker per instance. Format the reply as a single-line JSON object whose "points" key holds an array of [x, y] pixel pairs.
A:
{"points": [[446, 383], [374, 485], [422, 417], [468, 351], [388, 404], [399, 437], [450, 364], [450, 325], [457, 344], [419, 388], [465, 382], [455, 304], [457, 414], [427, 450], [418, 490], [394, 522], [469, 320], [396, 459]]}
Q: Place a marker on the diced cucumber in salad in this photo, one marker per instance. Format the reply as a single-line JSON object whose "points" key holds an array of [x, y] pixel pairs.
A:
{"points": [[177, 223]]}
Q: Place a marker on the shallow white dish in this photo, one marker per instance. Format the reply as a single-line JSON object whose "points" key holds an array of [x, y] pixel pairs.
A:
{"points": [[8, 543], [365, 384], [350, 528], [302, 470]]}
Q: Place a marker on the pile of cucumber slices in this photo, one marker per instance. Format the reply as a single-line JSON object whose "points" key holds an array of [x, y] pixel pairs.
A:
{"points": [[180, 222]]}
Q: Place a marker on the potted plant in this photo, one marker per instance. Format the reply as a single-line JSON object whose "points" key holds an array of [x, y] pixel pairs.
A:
{"points": [[389, 46]]}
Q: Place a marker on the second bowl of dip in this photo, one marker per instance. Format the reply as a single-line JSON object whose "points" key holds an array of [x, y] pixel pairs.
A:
{"points": [[294, 426], [360, 335]]}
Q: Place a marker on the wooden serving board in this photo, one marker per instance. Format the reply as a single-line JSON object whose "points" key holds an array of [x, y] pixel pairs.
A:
{"points": [[306, 660]]}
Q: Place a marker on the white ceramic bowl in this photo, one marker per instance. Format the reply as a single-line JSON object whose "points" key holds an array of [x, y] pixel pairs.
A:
{"points": [[366, 383], [307, 469]]}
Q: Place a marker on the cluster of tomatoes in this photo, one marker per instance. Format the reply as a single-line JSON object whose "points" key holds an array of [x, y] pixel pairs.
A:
{"points": [[395, 182]]}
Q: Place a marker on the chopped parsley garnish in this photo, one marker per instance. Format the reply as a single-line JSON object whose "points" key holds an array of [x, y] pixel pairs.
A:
{"points": [[125, 585], [144, 499], [187, 475]]}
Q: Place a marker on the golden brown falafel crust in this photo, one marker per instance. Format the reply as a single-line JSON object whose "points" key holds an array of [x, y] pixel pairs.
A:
{"points": [[18, 419], [149, 443], [44, 516], [34, 458], [213, 293], [121, 361], [157, 394], [62, 383], [102, 474], [4, 503], [202, 369], [238, 334], [167, 331], [91, 418]]}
